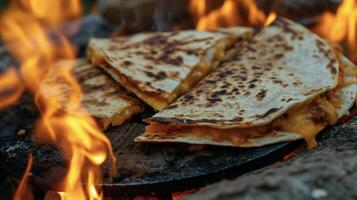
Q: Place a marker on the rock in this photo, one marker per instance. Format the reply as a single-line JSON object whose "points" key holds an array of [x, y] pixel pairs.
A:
{"points": [[328, 172]]}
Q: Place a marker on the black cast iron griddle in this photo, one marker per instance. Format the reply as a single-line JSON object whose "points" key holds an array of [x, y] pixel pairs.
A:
{"points": [[165, 168], [143, 168]]}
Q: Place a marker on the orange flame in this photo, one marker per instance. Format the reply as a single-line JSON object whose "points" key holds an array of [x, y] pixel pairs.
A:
{"points": [[271, 17], [10, 83], [341, 26], [85, 147], [229, 14], [22, 191]]}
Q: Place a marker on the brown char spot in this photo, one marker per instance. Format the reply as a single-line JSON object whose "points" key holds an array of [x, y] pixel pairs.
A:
{"points": [[159, 76], [127, 63], [214, 100], [267, 113], [252, 85], [188, 98], [260, 96], [331, 67], [278, 56]]}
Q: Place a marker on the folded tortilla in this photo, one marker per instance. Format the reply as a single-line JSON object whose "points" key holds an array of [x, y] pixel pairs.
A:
{"points": [[284, 84], [159, 67], [102, 97]]}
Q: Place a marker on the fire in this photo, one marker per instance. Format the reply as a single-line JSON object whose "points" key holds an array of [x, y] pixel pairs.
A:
{"points": [[22, 192], [11, 84], [83, 145], [271, 17], [229, 14], [341, 27]]}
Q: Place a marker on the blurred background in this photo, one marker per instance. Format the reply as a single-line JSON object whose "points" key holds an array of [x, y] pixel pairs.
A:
{"points": [[334, 20], [87, 3]]}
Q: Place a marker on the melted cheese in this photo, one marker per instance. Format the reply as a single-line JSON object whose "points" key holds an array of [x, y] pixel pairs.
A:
{"points": [[309, 120], [154, 100], [306, 120], [120, 117]]}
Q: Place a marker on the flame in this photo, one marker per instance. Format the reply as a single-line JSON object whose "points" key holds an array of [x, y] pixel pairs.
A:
{"points": [[22, 190], [271, 17], [10, 83], [23, 29], [229, 14], [341, 27], [198, 8]]}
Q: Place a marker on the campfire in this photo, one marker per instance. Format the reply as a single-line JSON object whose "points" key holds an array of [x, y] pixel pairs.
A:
{"points": [[88, 127]]}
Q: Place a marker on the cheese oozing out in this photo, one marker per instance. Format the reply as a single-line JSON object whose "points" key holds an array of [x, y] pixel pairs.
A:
{"points": [[120, 117]]}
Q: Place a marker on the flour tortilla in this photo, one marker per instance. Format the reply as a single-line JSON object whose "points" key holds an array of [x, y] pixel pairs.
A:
{"points": [[157, 63], [284, 65], [102, 97], [277, 61], [348, 96]]}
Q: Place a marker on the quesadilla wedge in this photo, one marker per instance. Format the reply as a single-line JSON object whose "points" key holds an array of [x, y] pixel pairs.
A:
{"points": [[102, 97], [159, 67], [284, 84]]}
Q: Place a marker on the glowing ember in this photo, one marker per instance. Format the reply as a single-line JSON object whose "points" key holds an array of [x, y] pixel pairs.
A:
{"points": [[341, 27], [76, 134]]}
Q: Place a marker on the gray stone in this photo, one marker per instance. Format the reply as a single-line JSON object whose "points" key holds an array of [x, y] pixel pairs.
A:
{"points": [[328, 172]]}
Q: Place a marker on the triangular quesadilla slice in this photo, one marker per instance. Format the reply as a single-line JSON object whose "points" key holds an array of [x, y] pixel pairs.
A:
{"points": [[102, 97], [159, 67]]}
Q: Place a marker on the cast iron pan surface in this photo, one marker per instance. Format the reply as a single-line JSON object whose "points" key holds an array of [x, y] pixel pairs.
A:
{"points": [[142, 168]]}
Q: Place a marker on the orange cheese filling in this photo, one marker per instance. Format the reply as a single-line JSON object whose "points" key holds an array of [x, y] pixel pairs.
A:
{"points": [[306, 120], [120, 117]]}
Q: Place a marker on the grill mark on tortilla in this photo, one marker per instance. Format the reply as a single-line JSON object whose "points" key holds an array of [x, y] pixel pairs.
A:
{"points": [[330, 66], [175, 53], [260, 96], [269, 112], [245, 80], [127, 63], [160, 76]]}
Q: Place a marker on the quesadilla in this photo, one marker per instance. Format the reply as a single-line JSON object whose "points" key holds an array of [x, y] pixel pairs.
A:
{"points": [[102, 97], [159, 67], [284, 84]]}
